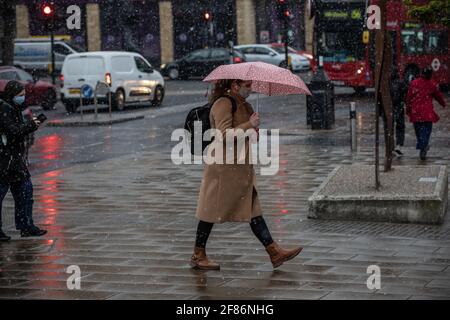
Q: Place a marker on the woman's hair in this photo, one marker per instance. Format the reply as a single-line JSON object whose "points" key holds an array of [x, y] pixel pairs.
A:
{"points": [[222, 87]]}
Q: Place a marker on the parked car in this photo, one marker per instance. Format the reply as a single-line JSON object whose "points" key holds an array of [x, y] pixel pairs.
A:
{"points": [[42, 93], [273, 55], [34, 54], [304, 53], [200, 63], [132, 80]]}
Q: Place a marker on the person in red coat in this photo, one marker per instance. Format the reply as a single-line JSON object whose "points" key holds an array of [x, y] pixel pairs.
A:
{"points": [[419, 108]]}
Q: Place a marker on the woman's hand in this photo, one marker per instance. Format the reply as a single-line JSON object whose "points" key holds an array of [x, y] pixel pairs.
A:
{"points": [[254, 120]]}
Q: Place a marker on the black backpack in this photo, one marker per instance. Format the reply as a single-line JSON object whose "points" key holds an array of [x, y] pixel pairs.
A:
{"points": [[202, 114]]}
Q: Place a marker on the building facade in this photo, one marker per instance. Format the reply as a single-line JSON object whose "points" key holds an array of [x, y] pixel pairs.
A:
{"points": [[163, 30]]}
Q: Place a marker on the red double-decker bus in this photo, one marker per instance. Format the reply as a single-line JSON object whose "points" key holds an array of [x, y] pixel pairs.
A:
{"points": [[341, 37]]}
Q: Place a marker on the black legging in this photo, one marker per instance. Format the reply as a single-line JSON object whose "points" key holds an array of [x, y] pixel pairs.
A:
{"points": [[258, 225]]}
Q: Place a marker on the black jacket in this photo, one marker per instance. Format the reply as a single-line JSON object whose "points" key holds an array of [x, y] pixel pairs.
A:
{"points": [[399, 89], [13, 134]]}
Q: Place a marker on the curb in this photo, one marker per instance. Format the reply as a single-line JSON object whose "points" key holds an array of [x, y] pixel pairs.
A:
{"points": [[91, 123]]}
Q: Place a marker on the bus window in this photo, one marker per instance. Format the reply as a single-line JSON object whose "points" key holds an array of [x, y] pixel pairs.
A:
{"points": [[341, 46], [412, 42], [436, 42]]}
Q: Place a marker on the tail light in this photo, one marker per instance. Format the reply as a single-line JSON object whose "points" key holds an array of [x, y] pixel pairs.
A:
{"points": [[237, 60], [108, 79], [61, 79]]}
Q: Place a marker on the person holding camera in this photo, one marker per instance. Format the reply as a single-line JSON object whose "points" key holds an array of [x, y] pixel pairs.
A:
{"points": [[14, 172]]}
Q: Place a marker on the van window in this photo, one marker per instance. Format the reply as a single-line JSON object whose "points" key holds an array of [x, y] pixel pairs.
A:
{"points": [[61, 49], [122, 64], [142, 65]]}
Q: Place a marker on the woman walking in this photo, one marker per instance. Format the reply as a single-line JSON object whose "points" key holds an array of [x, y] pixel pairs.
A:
{"points": [[419, 108], [228, 191]]}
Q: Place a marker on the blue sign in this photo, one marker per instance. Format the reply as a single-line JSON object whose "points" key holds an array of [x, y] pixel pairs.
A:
{"points": [[87, 91]]}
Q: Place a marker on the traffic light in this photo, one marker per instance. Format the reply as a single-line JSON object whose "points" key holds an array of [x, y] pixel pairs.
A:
{"points": [[48, 15], [287, 13], [207, 16], [284, 11], [281, 9]]}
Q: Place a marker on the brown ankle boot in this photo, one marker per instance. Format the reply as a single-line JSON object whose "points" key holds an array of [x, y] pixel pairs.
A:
{"points": [[200, 261], [278, 255]]}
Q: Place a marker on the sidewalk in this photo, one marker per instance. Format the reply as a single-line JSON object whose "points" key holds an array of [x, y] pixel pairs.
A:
{"points": [[129, 224]]}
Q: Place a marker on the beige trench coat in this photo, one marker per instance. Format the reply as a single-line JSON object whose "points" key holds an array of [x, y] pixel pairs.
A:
{"points": [[228, 191]]}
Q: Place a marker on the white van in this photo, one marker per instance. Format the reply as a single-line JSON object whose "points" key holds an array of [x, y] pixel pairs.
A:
{"points": [[35, 54], [131, 78]]}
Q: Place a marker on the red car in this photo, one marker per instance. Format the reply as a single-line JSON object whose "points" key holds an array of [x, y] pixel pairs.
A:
{"points": [[42, 93]]}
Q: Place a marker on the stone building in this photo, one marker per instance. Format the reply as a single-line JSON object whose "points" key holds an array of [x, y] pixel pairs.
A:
{"points": [[166, 29]]}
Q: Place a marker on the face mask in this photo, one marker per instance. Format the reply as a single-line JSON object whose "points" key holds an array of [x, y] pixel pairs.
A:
{"points": [[244, 92], [19, 100]]}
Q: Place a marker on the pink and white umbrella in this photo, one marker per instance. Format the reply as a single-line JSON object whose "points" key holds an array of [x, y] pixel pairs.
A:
{"points": [[266, 78]]}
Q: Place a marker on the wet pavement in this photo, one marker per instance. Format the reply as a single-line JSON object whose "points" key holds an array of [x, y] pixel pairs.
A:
{"points": [[119, 209]]}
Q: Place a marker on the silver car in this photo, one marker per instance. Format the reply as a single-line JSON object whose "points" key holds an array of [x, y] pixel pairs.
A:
{"points": [[273, 55]]}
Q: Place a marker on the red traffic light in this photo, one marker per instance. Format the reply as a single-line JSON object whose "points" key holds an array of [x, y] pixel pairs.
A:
{"points": [[48, 10], [287, 13]]}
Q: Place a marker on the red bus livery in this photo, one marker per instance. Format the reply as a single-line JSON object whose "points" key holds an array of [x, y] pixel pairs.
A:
{"points": [[341, 37]]}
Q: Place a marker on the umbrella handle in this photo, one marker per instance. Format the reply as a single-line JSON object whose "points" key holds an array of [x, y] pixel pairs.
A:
{"points": [[257, 104]]}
